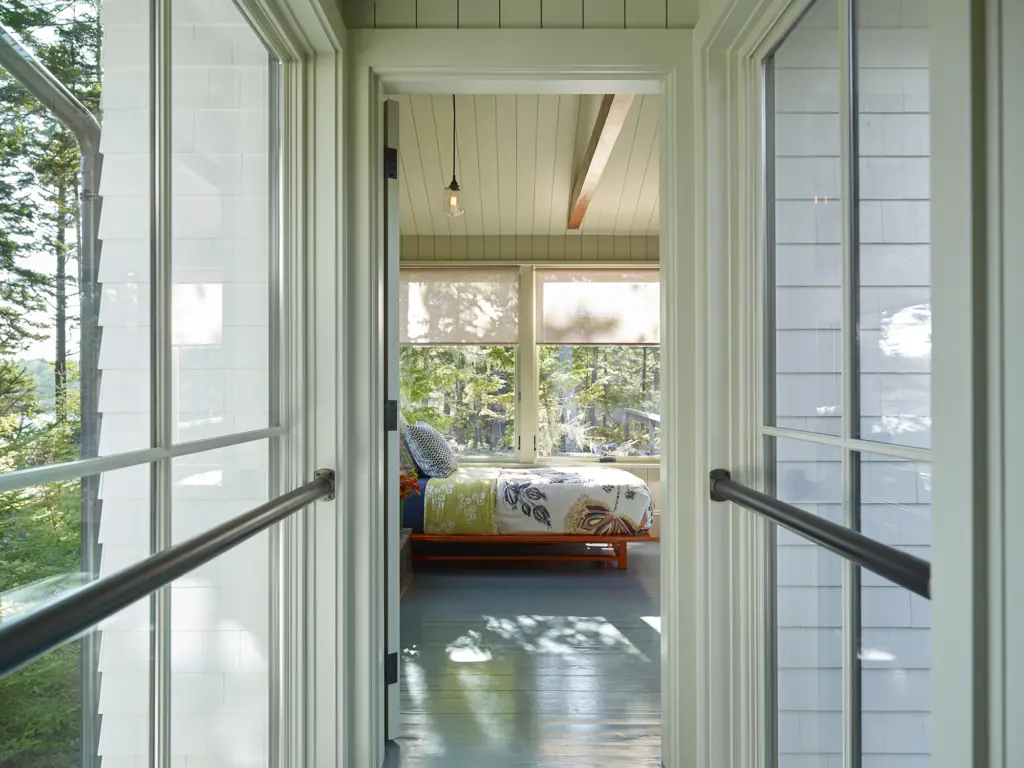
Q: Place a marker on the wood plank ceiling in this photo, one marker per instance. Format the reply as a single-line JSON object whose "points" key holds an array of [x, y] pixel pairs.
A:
{"points": [[517, 157]]}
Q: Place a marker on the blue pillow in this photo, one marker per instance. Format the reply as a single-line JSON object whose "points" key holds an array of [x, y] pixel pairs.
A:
{"points": [[431, 451]]}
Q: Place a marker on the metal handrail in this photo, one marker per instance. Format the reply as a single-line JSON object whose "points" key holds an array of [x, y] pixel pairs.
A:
{"points": [[28, 637], [899, 567]]}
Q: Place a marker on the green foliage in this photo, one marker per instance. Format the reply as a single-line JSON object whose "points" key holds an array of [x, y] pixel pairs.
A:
{"points": [[584, 392], [40, 528], [466, 393]]}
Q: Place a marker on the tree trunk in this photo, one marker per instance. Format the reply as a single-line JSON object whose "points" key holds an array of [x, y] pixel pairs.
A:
{"points": [[643, 376], [60, 366], [604, 411]]}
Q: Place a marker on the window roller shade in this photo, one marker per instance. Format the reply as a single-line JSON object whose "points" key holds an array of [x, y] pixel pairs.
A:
{"points": [[452, 307], [604, 307]]}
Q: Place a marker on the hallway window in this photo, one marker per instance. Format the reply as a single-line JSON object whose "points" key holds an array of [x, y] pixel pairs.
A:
{"points": [[847, 395], [127, 340]]}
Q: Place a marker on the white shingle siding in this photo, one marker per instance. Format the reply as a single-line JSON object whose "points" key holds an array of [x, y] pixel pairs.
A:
{"points": [[894, 220], [220, 211]]}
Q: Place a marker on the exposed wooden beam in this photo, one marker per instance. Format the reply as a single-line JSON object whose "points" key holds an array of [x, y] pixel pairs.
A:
{"points": [[610, 119]]}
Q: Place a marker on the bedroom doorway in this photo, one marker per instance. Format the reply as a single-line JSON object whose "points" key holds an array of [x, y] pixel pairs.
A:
{"points": [[523, 378]]}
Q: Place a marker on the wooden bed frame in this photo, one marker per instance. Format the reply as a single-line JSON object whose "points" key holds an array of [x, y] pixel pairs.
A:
{"points": [[615, 548]]}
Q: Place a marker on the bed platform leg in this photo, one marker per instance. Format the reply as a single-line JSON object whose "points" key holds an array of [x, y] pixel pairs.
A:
{"points": [[622, 550]]}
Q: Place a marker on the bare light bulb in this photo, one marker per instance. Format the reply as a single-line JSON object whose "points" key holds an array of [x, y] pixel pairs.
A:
{"points": [[452, 202]]}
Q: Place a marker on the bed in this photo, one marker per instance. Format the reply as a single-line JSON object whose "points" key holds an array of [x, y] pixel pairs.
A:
{"points": [[604, 508]]}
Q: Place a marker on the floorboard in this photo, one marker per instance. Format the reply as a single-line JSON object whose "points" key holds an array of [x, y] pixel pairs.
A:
{"points": [[531, 667]]}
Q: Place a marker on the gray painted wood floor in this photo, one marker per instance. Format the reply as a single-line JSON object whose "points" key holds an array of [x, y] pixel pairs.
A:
{"points": [[531, 666]]}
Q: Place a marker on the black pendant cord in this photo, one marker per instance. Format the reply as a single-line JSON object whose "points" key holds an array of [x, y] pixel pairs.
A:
{"points": [[455, 128]]}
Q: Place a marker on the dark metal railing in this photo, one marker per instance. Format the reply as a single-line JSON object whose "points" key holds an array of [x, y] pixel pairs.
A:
{"points": [[28, 637], [901, 568]]}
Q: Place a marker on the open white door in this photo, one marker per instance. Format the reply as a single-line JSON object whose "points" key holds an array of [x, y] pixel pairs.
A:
{"points": [[392, 507]]}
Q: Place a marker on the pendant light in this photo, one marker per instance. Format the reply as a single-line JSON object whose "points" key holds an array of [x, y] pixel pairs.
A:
{"points": [[453, 192]]}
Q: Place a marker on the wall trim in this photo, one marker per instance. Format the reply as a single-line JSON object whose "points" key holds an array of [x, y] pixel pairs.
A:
{"points": [[538, 248]]}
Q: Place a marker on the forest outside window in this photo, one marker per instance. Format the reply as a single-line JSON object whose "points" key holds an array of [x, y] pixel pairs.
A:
{"points": [[598, 332], [589, 352], [457, 368]]}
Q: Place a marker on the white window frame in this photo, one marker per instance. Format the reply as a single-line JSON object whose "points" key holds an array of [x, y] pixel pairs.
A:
{"points": [[851, 448], [299, 439], [527, 412], [977, 273]]}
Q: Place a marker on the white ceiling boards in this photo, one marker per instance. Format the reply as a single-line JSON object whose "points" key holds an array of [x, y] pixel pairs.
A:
{"points": [[517, 160]]}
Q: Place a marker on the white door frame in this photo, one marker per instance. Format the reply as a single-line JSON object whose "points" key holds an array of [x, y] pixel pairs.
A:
{"points": [[529, 61]]}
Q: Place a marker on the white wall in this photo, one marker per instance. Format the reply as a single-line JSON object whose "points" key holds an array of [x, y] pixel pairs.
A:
{"points": [[894, 382], [220, 365]]}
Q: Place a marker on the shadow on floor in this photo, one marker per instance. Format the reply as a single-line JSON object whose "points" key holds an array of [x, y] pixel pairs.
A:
{"points": [[538, 666]]}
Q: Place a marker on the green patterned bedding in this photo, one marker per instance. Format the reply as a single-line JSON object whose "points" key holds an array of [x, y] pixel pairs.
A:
{"points": [[465, 502]]}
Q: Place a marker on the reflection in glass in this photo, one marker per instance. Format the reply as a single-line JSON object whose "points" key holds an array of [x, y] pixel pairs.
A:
{"points": [[894, 256], [807, 205], [50, 544], [810, 611], [600, 401], [895, 647], [220, 613], [222, 228]]}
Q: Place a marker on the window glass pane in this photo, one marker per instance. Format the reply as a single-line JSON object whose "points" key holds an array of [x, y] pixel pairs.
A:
{"points": [[810, 611], [600, 401], [221, 222], [74, 293], [220, 614], [895, 638], [91, 696], [895, 212], [467, 393], [444, 306], [805, 209], [598, 306]]}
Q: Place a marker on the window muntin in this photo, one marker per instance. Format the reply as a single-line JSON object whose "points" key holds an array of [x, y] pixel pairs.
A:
{"points": [[847, 388], [599, 401], [467, 393]]}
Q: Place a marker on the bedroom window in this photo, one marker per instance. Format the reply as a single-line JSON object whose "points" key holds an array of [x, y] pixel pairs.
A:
{"points": [[578, 376], [459, 331], [597, 332], [599, 401], [467, 393]]}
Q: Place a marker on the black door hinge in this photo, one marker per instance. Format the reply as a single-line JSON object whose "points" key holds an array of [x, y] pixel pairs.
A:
{"points": [[391, 669], [391, 416], [390, 163]]}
